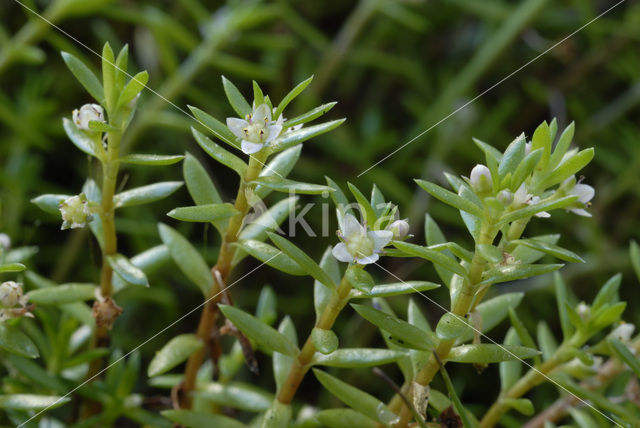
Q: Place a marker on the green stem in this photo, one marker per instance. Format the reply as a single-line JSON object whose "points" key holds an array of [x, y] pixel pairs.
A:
{"points": [[302, 364], [220, 272], [532, 378]]}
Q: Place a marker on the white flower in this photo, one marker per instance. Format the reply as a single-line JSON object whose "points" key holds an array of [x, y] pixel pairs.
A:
{"points": [[257, 130], [5, 241], [86, 114], [75, 212], [399, 228], [480, 179], [358, 244], [505, 196], [623, 332], [522, 197], [12, 301], [585, 193]]}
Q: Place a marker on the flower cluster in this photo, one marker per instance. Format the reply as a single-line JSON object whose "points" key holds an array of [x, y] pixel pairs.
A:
{"points": [[13, 303], [86, 114], [75, 212]]}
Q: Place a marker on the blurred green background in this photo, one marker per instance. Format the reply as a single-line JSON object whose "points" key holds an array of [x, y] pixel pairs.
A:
{"points": [[396, 68]]}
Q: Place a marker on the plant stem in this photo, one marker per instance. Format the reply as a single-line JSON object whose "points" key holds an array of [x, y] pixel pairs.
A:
{"points": [[533, 378], [220, 273], [301, 365], [461, 306]]}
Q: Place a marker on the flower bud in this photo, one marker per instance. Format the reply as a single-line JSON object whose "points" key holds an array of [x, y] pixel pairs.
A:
{"points": [[10, 294], [481, 181], [75, 212], [400, 229], [505, 196], [86, 114], [5, 241]]}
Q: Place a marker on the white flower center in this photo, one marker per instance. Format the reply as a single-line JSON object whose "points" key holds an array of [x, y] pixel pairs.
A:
{"points": [[256, 132], [360, 245]]}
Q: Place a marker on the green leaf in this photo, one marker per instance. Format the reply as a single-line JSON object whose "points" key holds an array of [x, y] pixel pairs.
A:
{"points": [[567, 168], [358, 357], [151, 160], [16, 342], [366, 210], [344, 418], [325, 341], [405, 334], [491, 313], [277, 416], [450, 198], [433, 256], [512, 157], [199, 185], [109, 76], [531, 210], [237, 395], [522, 405], [462, 412], [542, 139], [50, 203], [451, 326], [485, 353], [517, 271], [271, 256], [394, 289], [492, 154], [434, 236], [31, 402], [266, 307], [175, 352], [187, 258], [289, 186], [359, 279], [291, 96], [305, 262], [84, 76], [121, 67], [527, 255], [290, 139], [133, 88], [64, 293], [607, 294], [562, 145], [634, 254], [12, 267], [310, 115], [546, 341], [321, 293], [554, 250], [216, 127], [282, 363], [258, 96], [490, 253], [81, 139], [608, 315], [218, 153], [146, 194], [525, 169], [510, 371], [191, 419], [148, 261], [130, 273], [280, 166], [623, 352], [358, 400], [266, 336], [523, 334], [204, 213], [99, 126], [237, 101]]}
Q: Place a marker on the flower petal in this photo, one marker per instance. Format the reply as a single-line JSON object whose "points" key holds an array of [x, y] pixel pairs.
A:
{"points": [[369, 259], [351, 226], [237, 126], [249, 148], [340, 252], [261, 114], [581, 212], [584, 191], [380, 238], [274, 132], [543, 214]]}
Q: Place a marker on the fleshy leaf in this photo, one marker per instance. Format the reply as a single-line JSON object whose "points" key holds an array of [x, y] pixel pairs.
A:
{"points": [[64, 293], [204, 213], [176, 351], [146, 194], [489, 353]]}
